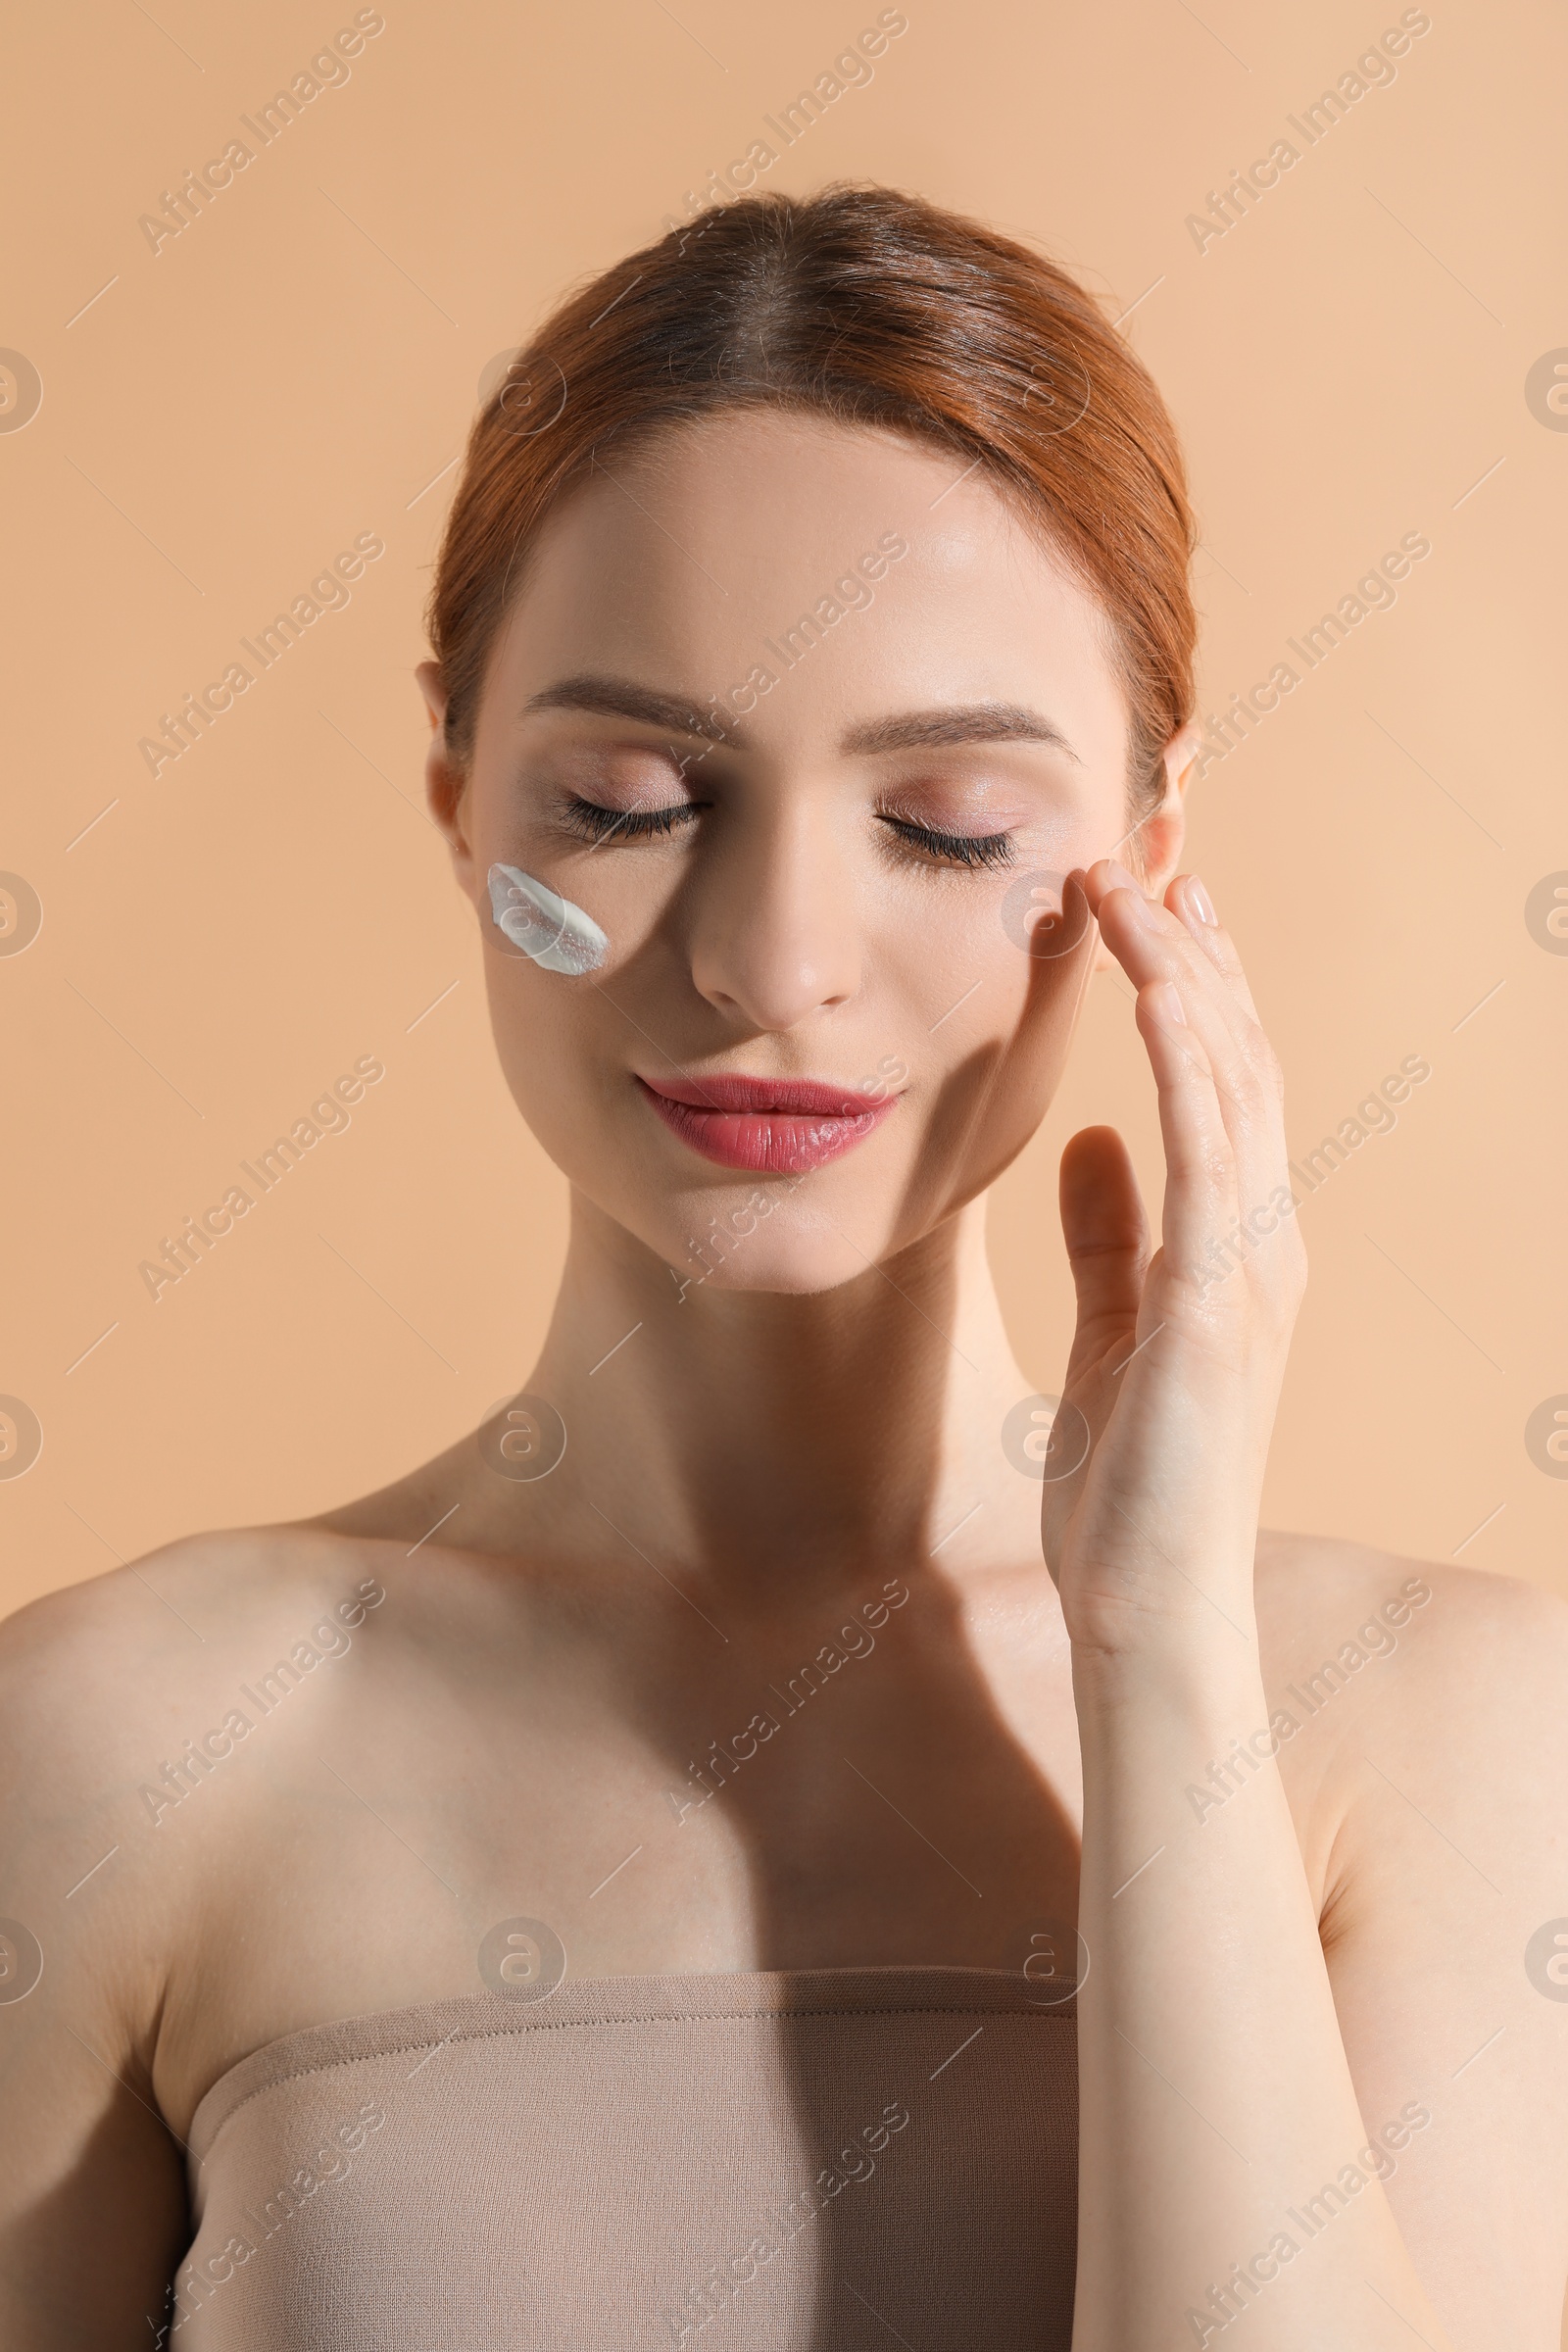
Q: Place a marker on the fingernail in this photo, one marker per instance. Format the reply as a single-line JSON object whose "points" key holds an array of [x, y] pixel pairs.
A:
{"points": [[1171, 1008], [1122, 879], [1202, 905]]}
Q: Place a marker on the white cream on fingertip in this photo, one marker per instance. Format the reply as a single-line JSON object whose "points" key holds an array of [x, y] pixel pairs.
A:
{"points": [[557, 935]]}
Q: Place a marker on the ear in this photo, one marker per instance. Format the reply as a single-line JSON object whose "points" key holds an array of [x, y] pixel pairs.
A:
{"points": [[443, 780], [1153, 850]]}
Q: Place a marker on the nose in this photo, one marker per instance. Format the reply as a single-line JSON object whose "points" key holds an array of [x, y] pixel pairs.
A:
{"points": [[775, 936]]}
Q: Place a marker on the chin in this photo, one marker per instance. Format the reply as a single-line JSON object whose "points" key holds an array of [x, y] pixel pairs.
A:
{"points": [[797, 1256]]}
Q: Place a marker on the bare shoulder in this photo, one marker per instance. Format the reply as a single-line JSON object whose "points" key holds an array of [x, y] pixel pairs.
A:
{"points": [[103, 1681], [1473, 1638], [118, 1702], [1422, 1719], [145, 1626], [1397, 1683]]}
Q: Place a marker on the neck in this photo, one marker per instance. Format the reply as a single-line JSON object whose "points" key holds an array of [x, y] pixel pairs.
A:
{"points": [[752, 1435]]}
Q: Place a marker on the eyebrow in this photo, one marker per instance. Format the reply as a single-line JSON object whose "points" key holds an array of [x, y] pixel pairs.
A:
{"points": [[967, 722], [621, 698], [907, 730]]}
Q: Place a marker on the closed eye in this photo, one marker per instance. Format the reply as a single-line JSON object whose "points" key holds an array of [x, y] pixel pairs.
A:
{"points": [[628, 824], [971, 849], [951, 848]]}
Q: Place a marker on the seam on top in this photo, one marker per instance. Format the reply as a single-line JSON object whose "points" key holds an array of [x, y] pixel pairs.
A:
{"points": [[1063, 2013]]}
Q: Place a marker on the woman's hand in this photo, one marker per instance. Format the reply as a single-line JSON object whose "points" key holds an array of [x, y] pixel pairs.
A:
{"points": [[1216, 2095], [1156, 1460]]}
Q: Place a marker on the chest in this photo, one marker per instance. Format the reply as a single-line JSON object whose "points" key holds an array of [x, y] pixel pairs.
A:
{"points": [[768, 2158], [894, 1785]]}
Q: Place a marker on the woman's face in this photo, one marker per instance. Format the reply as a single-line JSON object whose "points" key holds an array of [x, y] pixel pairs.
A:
{"points": [[812, 726]]}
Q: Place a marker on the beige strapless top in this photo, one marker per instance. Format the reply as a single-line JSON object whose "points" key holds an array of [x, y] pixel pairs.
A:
{"points": [[830, 2160]]}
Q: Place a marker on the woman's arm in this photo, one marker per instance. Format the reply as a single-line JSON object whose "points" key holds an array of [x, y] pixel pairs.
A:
{"points": [[92, 2194], [1219, 2115], [1227, 2178]]}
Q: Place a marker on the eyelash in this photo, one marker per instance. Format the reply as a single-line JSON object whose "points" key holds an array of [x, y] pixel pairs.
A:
{"points": [[629, 824], [970, 850]]}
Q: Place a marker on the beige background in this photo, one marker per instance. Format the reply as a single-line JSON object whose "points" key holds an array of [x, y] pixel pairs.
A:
{"points": [[1347, 364]]}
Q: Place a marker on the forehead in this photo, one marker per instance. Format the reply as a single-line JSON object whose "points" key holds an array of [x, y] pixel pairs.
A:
{"points": [[692, 562]]}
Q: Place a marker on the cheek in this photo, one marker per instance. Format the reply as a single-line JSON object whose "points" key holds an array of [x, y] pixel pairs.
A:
{"points": [[990, 1026], [560, 1046], [567, 1053], [985, 956], [623, 889], [970, 987]]}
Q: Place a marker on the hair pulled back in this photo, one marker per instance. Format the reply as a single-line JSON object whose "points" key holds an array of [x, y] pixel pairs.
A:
{"points": [[876, 309]]}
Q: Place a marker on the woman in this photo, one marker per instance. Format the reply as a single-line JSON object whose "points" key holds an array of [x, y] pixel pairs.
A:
{"points": [[647, 1875]]}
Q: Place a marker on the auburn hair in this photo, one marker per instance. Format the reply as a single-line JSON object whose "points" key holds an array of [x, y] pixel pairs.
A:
{"points": [[873, 307]]}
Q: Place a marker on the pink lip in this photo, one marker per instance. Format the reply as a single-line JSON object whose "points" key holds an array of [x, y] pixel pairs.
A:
{"points": [[776, 1126]]}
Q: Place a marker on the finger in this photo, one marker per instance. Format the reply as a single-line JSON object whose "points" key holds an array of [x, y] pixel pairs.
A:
{"points": [[1188, 899], [1202, 1174], [1154, 943], [1106, 1233], [1151, 943], [1245, 1179], [1148, 938], [1228, 1192]]}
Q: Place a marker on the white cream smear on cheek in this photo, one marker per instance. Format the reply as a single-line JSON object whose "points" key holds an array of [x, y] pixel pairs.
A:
{"points": [[558, 935]]}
